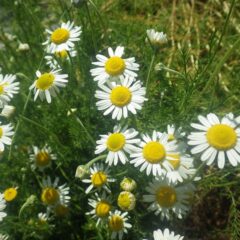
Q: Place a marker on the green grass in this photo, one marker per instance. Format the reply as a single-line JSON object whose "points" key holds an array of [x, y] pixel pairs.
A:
{"points": [[203, 48]]}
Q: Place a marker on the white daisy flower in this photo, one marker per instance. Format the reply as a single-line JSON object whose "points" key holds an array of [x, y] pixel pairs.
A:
{"points": [[216, 139], [2, 207], [182, 167], [43, 218], [128, 184], [7, 111], [61, 209], [166, 198], [63, 38], [114, 66], [4, 237], [119, 142], [5, 134], [154, 153], [126, 201], [42, 158], [174, 133], [53, 194], [118, 224], [118, 99], [101, 207], [48, 84], [156, 38], [99, 178], [166, 235], [61, 56], [7, 88]]}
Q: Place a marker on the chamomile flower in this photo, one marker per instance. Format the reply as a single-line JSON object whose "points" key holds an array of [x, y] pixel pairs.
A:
{"points": [[4, 237], [10, 194], [156, 38], [59, 56], [118, 224], [8, 87], [114, 66], [128, 184], [166, 235], [118, 99], [182, 167], [166, 198], [118, 143], [216, 139], [174, 133], [47, 84], [61, 209], [7, 111], [63, 38], [5, 134], [126, 201], [43, 218], [154, 154], [2, 207], [42, 158], [101, 207], [53, 194], [99, 178]]}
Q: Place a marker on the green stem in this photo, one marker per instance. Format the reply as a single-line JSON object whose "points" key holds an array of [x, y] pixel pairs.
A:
{"points": [[150, 70], [18, 125], [91, 26], [92, 161], [79, 121]]}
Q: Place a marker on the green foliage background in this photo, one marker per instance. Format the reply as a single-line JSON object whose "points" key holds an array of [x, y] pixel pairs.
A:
{"points": [[203, 47]]}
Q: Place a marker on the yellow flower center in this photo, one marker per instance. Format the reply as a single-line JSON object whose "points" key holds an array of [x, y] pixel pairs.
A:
{"points": [[1, 132], [45, 81], [166, 196], [42, 159], [99, 179], [61, 54], [61, 210], [60, 35], [116, 223], [115, 142], [102, 209], [126, 201], [221, 136], [50, 196], [171, 137], [115, 66], [10, 194], [154, 152], [176, 161], [120, 96]]}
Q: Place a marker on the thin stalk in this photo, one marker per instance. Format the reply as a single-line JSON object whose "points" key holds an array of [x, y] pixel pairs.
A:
{"points": [[150, 70], [92, 161], [18, 124]]}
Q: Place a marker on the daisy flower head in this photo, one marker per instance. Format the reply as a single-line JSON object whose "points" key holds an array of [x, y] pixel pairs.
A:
{"points": [[53, 194], [99, 178], [43, 218], [113, 66], [128, 184], [166, 235], [8, 87], [10, 194], [216, 139], [154, 153], [174, 133], [4, 237], [61, 209], [119, 98], [53, 59], [47, 84], [42, 158], [118, 224], [126, 201], [5, 134], [101, 207], [118, 143], [2, 207], [166, 198], [156, 38], [183, 167], [7, 111], [63, 38]]}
